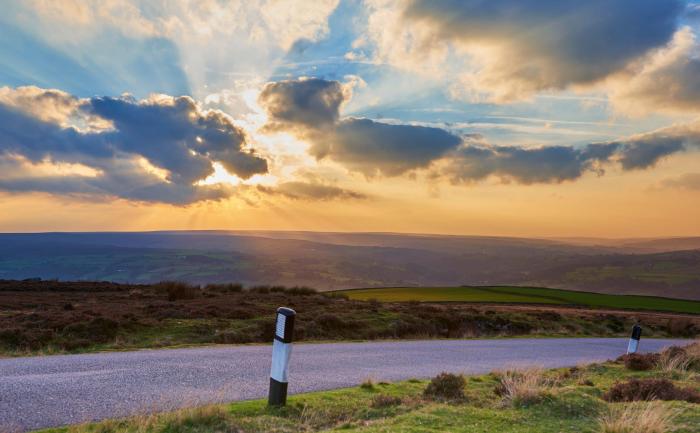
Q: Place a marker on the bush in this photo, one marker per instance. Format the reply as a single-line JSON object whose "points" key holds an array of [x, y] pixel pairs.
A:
{"points": [[11, 338], [82, 334], [225, 288], [301, 291], [177, 290], [446, 386], [384, 401], [640, 362], [650, 389]]}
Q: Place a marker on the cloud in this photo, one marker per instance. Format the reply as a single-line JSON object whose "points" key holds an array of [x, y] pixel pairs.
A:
{"points": [[311, 102], [667, 79], [375, 148], [312, 191], [50, 105], [476, 160], [687, 181], [155, 149], [310, 108], [643, 151], [553, 164], [510, 49], [285, 21], [174, 134]]}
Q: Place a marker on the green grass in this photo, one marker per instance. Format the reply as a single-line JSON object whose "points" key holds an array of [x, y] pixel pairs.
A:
{"points": [[571, 403], [524, 295]]}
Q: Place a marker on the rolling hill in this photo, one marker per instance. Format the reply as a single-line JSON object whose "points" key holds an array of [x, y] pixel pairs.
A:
{"points": [[350, 260]]}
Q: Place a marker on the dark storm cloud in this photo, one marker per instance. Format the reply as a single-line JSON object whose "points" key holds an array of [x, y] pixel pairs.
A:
{"points": [[552, 164], [552, 43], [645, 153], [311, 102], [310, 108], [374, 148], [168, 132], [172, 134]]}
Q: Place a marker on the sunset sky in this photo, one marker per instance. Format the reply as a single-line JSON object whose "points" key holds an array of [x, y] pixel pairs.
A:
{"points": [[482, 117]]}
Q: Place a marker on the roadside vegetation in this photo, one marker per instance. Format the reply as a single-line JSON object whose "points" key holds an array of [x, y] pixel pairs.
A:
{"points": [[524, 295], [57, 317], [578, 399]]}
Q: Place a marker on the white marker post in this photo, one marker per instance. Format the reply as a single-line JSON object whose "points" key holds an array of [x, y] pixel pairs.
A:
{"points": [[634, 339], [281, 352]]}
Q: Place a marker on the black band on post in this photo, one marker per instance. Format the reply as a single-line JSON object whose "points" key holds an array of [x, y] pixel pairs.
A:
{"points": [[284, 326], [637, 332], [278, 393]]}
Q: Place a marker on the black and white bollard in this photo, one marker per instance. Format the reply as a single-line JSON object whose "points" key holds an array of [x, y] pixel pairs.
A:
{"points": [[281, 352], [633, 346]]}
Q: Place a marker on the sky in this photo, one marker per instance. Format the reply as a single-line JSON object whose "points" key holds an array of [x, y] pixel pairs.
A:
{"points": [[533, 118]]}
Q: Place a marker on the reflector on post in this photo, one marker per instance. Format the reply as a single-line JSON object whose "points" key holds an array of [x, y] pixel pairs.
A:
{"points": [[281, 353], [633, 345]]}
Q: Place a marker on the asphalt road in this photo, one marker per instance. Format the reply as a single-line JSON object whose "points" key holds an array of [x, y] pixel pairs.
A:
{"points": [[57, 390]]}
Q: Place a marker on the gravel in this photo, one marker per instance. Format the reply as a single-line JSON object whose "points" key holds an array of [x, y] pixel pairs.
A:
{"points": [[50, 391]]}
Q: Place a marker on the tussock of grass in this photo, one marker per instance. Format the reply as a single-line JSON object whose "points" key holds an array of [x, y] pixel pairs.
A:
{"points": [[207, 419], [367, 385], [383, 401], [644, 418], [522, 387], [679, 360]]}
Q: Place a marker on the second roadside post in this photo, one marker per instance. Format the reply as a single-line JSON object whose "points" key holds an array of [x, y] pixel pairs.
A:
{"points": [[633, 345]]}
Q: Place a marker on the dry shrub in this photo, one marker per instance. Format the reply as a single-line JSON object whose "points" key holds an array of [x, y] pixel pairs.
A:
{"points": [[384, 401], [650, 389], [649, 418], [639, 361], [682, 327], [446, 387], [522, 387]]}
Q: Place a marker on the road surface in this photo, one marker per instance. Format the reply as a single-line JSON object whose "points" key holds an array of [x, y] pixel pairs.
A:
{"points": [[51, 391]]}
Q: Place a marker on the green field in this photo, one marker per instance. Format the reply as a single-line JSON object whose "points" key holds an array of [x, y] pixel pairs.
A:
{"points": [[523, 295]]}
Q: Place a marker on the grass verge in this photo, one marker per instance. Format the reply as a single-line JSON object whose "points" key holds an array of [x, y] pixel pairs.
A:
{"points": [[536, 401]]}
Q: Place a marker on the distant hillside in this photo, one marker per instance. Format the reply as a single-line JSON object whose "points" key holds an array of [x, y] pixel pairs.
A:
{"points": [[348, 260]]}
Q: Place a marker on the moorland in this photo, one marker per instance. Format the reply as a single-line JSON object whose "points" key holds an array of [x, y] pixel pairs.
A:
{"points": [[40, 316]]}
